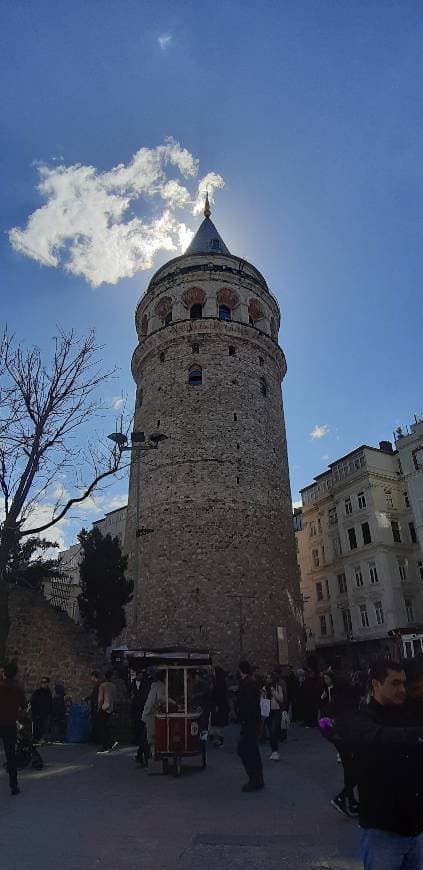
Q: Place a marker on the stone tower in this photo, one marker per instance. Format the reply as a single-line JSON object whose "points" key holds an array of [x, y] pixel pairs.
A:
{"points": [[218, 568]]}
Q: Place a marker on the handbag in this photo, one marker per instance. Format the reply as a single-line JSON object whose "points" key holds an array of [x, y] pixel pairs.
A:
{"points": [[264, 708]]}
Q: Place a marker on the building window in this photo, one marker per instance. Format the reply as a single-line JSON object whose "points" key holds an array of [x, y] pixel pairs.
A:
{"points": [[224, 312], [337, 546], [263, 387], [168, 318], [373, 573], [413, 535], [333, 517], [358, 577], [380, 619], [162, 357], [406, 500], [409, 609], [388, 497], [346, 618], [402, 568], [195, 348], [261, 361], [315, 557], [361, 500], [196, 311], [348, 507], [195, 377], [331, 623], [231, 350], [323, 626], [352, 537], [327, 588], [312, 529], [364, 616], [319, 592], [396, 534], [319, 525], [367, 538], [342, 583], [420, 569], [417, 455]]}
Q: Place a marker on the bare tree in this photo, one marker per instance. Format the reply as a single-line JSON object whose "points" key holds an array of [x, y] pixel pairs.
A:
{"points": [[43, 409]]}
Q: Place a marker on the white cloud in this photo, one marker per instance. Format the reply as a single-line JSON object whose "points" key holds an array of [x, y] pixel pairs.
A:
{"points": [[297, 504], [86, 224], [41, 514], [118, 402], [164, 41], [319, 431]]}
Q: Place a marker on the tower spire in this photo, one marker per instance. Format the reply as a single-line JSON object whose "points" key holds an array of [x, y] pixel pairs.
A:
{"points": [[207, 209]]}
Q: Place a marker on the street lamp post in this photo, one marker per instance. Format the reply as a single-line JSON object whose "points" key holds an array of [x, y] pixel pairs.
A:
{"points": [[139, 445]]}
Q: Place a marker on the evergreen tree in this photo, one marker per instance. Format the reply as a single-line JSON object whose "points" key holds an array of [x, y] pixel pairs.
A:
{"points": [[105, 590], [28, 566]]}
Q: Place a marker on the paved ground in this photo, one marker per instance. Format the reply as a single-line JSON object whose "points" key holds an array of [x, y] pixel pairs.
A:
{"points": [[85, 811]]}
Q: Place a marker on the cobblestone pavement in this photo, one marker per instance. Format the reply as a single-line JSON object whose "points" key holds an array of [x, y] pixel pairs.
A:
{"points": [[88, 811]]}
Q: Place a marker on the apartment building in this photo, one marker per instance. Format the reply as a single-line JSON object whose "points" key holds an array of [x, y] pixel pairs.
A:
{"points": [[410, 450], [360, 560], [63, 592]]}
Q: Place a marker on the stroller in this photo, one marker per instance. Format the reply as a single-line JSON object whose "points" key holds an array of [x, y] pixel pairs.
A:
{"points": [[26, 752]]}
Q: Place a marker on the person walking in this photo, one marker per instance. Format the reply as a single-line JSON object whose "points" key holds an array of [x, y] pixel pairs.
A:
{"points": [[106, 703], [156, 697], [273, 691], [41, 708], [140, 691], [219, 707], [249, 717], [340, 704], [389, 752], [12, 700], [58, 714]]}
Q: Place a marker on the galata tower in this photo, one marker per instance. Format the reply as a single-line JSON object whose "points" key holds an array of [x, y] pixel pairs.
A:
{"points": [[209, 527]]}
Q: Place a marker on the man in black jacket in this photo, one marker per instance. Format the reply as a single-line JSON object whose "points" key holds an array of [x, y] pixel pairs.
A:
{"points": [[389, 752], [249, 717], [41, 708]]}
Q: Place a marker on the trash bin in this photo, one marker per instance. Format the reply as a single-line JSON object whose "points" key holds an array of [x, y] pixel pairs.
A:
{"points": [[78, 725]]}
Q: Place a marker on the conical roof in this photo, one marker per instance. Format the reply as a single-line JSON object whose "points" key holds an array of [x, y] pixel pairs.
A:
{"points": [[207, 239]]}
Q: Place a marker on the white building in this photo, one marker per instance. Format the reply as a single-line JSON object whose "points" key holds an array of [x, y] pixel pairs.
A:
{"points": [[361, 564], [410, 451], [63, 592]]}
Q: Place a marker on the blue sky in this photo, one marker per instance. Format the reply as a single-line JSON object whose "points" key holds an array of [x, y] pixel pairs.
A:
{"points": [[311, 113]]}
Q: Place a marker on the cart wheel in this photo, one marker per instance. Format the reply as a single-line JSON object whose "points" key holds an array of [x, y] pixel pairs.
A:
{"points": [[178, 766], [165, 766]]}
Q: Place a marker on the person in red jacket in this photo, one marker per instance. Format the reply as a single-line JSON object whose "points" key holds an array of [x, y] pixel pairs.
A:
{"points": [[12, 700]]}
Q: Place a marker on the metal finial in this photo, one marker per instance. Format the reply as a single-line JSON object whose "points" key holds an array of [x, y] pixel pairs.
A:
{"points": [[207, 209]]}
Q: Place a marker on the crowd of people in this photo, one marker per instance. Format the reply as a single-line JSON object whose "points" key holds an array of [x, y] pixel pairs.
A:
{"points": [[374, 720]]}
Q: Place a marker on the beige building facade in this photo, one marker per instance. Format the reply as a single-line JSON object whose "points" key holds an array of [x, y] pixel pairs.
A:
{"points": [[360, 560], [217, 568]]}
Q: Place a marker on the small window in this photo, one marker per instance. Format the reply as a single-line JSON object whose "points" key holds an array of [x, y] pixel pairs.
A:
{"points": [[315, 557], [235, 417], [261, 361], [333, 517], [358, 577], [331, 623], [224, 312], [380, 619], [323, 626], [231, 350], [388, 498], [367, 538], [168, 318], [348, 507], [263, 387], [413, 535], [342, 583], [195, 348], [361, 501], [312, 530], [346, 619], [352, 539], [237, 480], [406, 500], [162, 357], [319, 525], [420, 569], [195, 377], [396, 534], [364, 616], [196, 311], [409, 609], [319, 591], [373, 573], [402, 568], [327, 588]]}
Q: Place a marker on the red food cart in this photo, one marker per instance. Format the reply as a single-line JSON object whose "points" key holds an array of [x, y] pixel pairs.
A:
{"points": [[181, 721]]}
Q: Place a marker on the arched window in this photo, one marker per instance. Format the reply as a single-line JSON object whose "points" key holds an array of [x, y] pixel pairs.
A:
{"points": [[255, 312], [224, 312], [168, 318], [196, 311], [195, 377], [263, 387]]}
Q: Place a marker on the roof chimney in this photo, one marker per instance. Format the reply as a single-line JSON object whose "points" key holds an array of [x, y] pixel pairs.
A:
{"points": [[385, 447]]}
